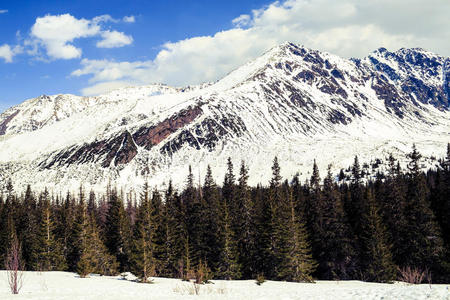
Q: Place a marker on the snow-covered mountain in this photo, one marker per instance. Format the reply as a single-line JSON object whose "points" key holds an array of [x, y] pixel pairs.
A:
{"points": [[293, 102]]}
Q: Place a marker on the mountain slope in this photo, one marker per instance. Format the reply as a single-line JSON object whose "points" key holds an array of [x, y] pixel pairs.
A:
{"points": [[292, 101]]}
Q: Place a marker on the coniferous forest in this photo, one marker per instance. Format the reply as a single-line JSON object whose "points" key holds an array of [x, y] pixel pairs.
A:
{"points": [[330, 227]]}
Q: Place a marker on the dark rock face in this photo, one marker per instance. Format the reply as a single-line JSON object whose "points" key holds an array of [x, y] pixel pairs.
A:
{"points": [[379, 66], [207, 134], [127, 152], [417, 65], [446, 85], [399, 79], [389, 94], [121, 149], [424, 93], [148, 137], [4, 124]]}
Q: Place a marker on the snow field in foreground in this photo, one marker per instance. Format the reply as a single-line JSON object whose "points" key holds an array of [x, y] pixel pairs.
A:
{"points": [[63, 285]]}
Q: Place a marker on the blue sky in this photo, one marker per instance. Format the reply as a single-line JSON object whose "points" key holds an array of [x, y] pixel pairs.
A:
{"points": [[156, 22], [90, 47]]}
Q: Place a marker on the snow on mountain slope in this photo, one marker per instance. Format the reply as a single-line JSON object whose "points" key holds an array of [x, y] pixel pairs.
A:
{"points": [[293, 102]]}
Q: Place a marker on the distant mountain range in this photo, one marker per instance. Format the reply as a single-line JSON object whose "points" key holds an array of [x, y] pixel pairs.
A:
{"points": [[293, 102]]}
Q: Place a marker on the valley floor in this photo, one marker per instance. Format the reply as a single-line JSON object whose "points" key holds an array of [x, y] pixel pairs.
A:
{"points": [[62, 285]]}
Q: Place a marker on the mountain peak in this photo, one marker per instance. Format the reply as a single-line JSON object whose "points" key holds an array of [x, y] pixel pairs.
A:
{"points": [[293, 102]]}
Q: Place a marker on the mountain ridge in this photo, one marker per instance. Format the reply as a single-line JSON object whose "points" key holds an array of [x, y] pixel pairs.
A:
{"points": [[291, 96]]}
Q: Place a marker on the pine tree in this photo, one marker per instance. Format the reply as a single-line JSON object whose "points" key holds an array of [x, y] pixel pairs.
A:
{"points": [[212, 238], [269, 242], [176, 232], [51, 255], [422, 232], [228, 266], [355, 202], [245, 225], [160, 219], [315, 203], [392, 209], [77, 240], [143, 254], [194, 225], [337, 260], [377, 256], [8, 225], [118, 231], [26, 230], [441, 199], [300, 265], [94, 256]]}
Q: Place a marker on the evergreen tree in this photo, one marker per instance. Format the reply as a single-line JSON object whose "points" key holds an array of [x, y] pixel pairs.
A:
{"points": [[159, 218], [143, 255], [118, 231], [194, 226], [27, 232], [376, 252], [337, 260], [176, 232], [315, 209], [212, 236], [51, 255], [245, 225], [422, 232], [94, 256], [300, 264], [228, 266], [77, 239], [392, 209], [7, 221]]}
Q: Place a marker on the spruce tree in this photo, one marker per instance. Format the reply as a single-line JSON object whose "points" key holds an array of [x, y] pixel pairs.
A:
{"points": [[228, 266], [118, 231], [245, 225], [94, 256], [212, 235], [176, 231], [27, 230], [194, 226], [143, 261], [8, 225], [50, 256], [422, 232], [300, 264], [376, 250], [338, 259], [392, 209]]}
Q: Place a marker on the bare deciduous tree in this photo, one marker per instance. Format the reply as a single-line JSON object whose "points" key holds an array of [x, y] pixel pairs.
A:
{"points": [[14, 267], [414, 275]]}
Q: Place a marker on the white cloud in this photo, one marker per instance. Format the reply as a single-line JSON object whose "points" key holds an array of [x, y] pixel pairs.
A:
{"points": [[129, 19], [3, 11], [8, 53], [56, 33], [242, 20], [106, 70], [114, 39], [350, 28], [104, 87]]}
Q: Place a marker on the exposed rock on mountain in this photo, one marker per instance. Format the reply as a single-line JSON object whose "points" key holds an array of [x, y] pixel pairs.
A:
{"points": [[293, 102]]}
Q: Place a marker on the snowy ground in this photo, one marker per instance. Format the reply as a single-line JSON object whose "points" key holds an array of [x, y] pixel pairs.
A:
{"points": [[61, 285]]}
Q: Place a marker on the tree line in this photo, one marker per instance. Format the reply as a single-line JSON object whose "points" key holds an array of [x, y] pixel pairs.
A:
{"points": [[330, 229]]}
